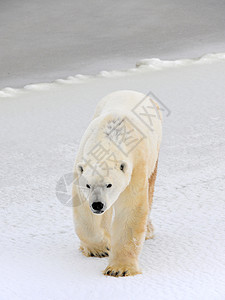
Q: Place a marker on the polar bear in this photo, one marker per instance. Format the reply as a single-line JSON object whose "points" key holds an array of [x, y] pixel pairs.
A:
{"points": [[115, 172]]}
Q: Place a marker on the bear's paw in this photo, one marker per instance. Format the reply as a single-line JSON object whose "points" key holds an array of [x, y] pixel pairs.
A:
{"points": [[121, 270], [95, 251]]}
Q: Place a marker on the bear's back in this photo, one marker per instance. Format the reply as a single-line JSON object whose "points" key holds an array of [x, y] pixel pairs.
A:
{"points": [[113, 112], [122, 101], [139, 108]]}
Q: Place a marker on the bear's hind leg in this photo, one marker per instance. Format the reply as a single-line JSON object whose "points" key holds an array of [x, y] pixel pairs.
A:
{"points": [[152, 179], [150, 231]]}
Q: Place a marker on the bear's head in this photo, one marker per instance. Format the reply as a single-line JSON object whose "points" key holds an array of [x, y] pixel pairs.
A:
{"points": [[101, 183]]}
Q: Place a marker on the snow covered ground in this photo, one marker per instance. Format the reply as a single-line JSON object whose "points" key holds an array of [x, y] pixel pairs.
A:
{"points": [[40, 128]]}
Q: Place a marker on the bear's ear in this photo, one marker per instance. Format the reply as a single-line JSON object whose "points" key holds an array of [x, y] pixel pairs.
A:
{"points": [[80, 168], [123, 166]]}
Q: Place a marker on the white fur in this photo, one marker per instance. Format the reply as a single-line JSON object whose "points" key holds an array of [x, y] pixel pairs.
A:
{"points": [[114, 119]]}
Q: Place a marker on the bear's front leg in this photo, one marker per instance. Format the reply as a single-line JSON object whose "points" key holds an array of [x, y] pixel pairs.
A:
{"points": [[128, 234], [92, 231]]}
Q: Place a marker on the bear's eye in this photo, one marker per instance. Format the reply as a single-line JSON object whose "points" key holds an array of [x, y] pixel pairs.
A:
{"points": [[88, 186], [81, 169], [108, 185], [122, 167]]}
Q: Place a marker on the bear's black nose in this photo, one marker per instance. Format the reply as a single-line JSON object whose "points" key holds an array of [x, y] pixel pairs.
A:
{"points": [[97, 205]]}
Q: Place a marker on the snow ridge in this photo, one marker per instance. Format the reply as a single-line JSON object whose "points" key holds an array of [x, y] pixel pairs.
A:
{"points": [[153, 64]]}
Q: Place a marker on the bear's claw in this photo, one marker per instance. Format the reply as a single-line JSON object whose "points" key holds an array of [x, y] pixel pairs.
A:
{"points": [[95, 252], [121, 271]]}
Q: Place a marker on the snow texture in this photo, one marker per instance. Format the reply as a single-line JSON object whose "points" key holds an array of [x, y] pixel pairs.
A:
{"points": [[41, 126], [45, 40]]}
